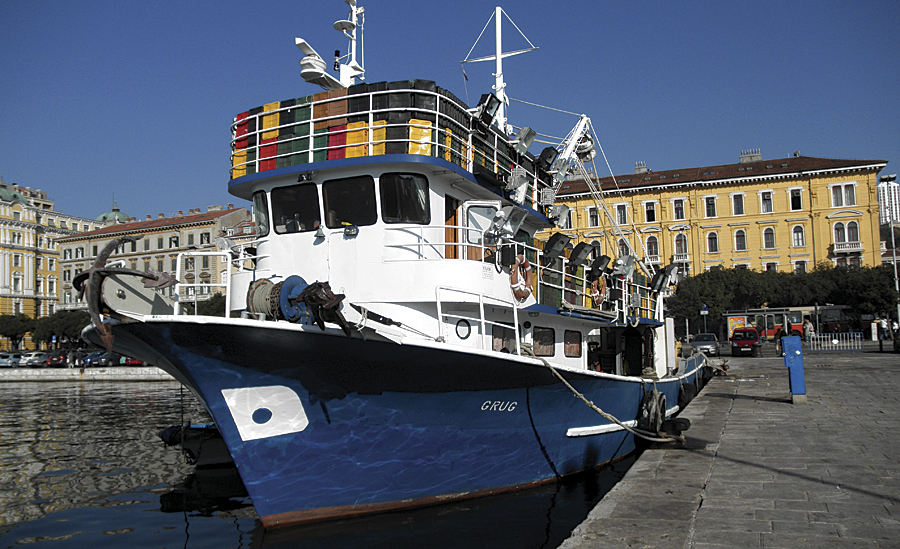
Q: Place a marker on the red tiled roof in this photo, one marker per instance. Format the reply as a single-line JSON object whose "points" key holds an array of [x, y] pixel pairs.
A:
{"points": [[154, 223], [722, 173]]}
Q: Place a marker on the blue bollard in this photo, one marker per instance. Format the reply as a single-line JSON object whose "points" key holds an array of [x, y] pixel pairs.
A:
{"points": [[793, 360]]}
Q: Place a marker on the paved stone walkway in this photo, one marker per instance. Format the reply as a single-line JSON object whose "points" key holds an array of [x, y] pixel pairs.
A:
{"points": [[758, 471]]}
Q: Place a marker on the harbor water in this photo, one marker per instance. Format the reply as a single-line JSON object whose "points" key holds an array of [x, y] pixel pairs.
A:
{"points": [[81, 465]]}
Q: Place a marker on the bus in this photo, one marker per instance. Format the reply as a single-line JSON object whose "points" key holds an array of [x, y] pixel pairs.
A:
{"points": [[768, 321]]}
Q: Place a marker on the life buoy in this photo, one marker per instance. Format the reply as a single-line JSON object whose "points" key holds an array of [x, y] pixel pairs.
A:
{"points": [[598, 290], [520, 282]]}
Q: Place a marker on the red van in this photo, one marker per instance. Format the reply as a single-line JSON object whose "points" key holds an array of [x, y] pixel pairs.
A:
{"points": [[743, 340]]}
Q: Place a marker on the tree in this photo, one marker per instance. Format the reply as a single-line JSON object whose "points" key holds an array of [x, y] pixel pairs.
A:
{"points": [[15, 327], [65, 325], [214, 306]]}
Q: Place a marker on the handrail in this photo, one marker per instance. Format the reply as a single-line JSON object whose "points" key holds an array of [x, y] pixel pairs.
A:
{"points": [[483, 322]]}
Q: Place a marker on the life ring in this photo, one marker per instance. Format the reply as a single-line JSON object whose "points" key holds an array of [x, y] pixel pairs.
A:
{"points": [[598, 290], [520, 283]]}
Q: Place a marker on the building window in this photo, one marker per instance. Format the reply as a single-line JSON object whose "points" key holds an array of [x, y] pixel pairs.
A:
{"points": [[681, 245], [146, 244], [159, 243], [190, 239], [159, 265], [678, 209], [623, 247], [51, 286], [852, 232], [737, 202], [204, 238], [740, 240], [133, 246], [67, 253], [51, 265], [772, 267], [796, 200], [621, 214], [173, 242], [769, 238], [38, 263], [94, 251], [712, 243], [843, 195], [799, 237], [17, 260], [800, 267], [650, 212], [839, 234], [767, 206], [652, 246], [147, 265], [79, 252], [593, 217], [710, 206], [204, 262]]}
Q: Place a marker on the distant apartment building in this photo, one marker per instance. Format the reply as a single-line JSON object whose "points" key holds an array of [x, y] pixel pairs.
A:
{"points": [[785, 214], [888, 202], [29, 252], [156, 244]]}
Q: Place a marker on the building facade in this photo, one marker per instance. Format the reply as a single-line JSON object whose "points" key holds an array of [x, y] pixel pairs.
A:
{"points": [[29, 253], [889, 201], [786, 214], [156, 246]]}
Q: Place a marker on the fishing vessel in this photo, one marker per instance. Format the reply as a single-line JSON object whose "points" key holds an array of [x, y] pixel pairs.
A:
{"points": [[398, 332]]}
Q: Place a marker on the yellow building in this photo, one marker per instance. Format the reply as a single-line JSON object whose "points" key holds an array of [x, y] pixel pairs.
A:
{"points": [[786, 214], [157, 245], [29, 254]]}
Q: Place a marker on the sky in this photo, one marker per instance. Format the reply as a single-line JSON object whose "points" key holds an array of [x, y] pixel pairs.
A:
{"points": [[132, 102]]}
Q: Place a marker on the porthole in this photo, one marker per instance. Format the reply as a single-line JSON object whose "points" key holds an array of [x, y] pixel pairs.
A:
{"points": [[463, 329]]}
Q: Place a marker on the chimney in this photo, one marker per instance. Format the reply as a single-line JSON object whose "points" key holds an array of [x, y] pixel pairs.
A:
{"points": [[750, 155], [148, 217], [161, 216], [180, 213], [640, 167], [231, 206]]}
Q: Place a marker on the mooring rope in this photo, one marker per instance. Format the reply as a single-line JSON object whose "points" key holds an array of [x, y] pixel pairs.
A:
{"points": [[527, 350]]}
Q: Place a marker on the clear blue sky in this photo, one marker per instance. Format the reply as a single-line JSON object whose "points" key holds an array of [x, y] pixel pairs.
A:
{"points": [[134, 100]]}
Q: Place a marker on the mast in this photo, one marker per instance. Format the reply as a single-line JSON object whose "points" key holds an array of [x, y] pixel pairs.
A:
{"points": [[499, 86]]}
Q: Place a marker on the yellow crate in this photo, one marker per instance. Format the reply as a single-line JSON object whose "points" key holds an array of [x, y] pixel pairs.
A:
{"points": [[238, 163], [379, 134], [448, 144], [420, 137], [357, 139], [270, 120]]}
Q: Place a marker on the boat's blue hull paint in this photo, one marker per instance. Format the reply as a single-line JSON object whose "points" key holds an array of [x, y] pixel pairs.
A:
{"points": [[392, 423]]}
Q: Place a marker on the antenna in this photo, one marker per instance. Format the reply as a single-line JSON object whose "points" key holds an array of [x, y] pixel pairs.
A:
{"points": [[499, 84], [313, 66]]}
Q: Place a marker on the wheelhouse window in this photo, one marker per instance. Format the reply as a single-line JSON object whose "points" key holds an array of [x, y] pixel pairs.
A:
{"points": [[260, 212], [504, 339], [572, 344], [295, 209], [349, 201], [543, 341], [404, 198]]}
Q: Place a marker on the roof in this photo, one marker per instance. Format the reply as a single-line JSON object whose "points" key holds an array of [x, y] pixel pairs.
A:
{"points": [[723, 173], [160, 222]]}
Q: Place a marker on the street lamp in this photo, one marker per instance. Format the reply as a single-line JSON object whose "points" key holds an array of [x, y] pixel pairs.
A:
{"points": [[890, 179]]}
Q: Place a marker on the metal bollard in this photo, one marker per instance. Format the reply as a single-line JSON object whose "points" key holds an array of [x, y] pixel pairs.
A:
{"points": [[793, 360]]}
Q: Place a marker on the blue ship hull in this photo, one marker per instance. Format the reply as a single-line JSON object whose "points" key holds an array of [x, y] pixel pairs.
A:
{"points": [[322, 426]]}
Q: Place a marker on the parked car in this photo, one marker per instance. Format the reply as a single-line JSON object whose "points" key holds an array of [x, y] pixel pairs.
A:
{"points": [[743, 340], [10, 360], [33, 358], [706, 343], [59, 359], [97, 358]]}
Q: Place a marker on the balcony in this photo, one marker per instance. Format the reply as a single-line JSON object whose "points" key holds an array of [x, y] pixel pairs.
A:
{"points": [[652, 259], [847, 247], [681, 258]]}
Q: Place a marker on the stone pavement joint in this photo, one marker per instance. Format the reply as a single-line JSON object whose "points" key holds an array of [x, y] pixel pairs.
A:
{"points": [[756, 470]]}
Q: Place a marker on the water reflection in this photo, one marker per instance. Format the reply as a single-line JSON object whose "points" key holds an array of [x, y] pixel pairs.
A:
{"points": [[70, 445]]}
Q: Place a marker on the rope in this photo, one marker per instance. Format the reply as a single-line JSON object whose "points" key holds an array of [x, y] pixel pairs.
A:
{"points": [[660, 437]]}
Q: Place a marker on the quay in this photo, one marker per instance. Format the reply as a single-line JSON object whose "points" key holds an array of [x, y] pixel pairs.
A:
{"points": [[112, 373], [758, 471]]}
